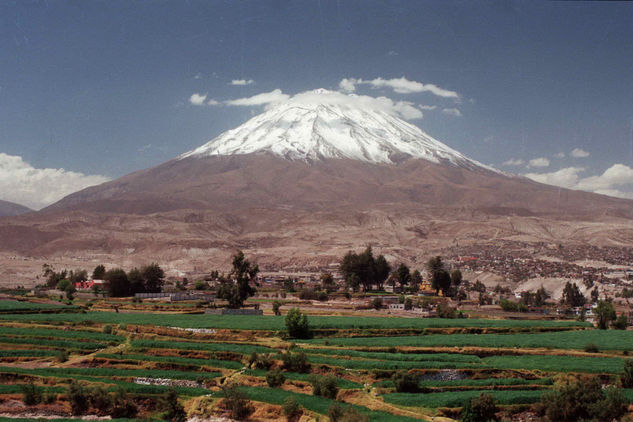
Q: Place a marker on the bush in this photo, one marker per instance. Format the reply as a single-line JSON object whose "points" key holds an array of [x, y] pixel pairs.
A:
{"points": [[260, 361], [377, 303], [107, 329], [174, 411], [78, 398], [480, 409], [405, 382], [275, 378], [123, 407], [509, 306], [324, 386], [627, 376], [291, 408], [408, 304], [100, 400], [62, 356], [591, 348], [276, 307], [297, 324], [295, 362], [236, 402], [445, 311], [338, 413], [31, 395], [583, 400], [621, 323]]}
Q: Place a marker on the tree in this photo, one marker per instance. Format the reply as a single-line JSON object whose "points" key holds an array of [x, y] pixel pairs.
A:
{"points": [[99, 272], [480, 409], [117, 283], [440, 278], [339, 413], [403, 275], [237, 290], [124, 407], [291, 408], [416, 280], [327, 282], [297, 324], [456, 278], [627, 375], [52, 277], [295, 362], [78, 276], [541, 296], [289, 285], [326, 386], [605, 313], [276, 306], [153, 277], [275, 378], [353, 282], [78, 398], [478, 286], [572, 295], [376, 303], [370, 271], [595, 295], [136, 281]]}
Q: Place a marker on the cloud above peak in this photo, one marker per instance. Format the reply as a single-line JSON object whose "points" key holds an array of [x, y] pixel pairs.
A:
{"points": [[242, 82], [579, 153], [398, 85], [36, 188], [197, 99]]}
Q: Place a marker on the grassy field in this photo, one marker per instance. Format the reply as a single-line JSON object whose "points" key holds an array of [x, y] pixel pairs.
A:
{"points": [[23, 306], [458, 398], [605, 339], [276, 323]]}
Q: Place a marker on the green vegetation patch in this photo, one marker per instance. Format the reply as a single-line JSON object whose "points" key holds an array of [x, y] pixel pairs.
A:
{"points": [[295, 376], [459, 398], [557, 363], [109, 372], [213, 347]]}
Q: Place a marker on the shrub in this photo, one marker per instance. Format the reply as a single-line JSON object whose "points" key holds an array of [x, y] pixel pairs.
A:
{"points": [[338, 413], [509, 306], [627, 376], [621, 323], [275, 378], [405, 382], [408, 304], [62, 356], [31, 395], [480, 409], [591, 348], [107, 329], [78, 398], [324, 386], [260, 361], [297, 324], [583, 400], [123, 407], [445, 311], [295, 362], [100, 400], [377, 303], [174, 411], [276, 307], [236, 402], [291, 408]]}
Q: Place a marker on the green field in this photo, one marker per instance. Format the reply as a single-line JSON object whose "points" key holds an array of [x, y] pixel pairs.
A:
{"points": [[458, 398], [606, 339], [23, 306], [276, 323]]}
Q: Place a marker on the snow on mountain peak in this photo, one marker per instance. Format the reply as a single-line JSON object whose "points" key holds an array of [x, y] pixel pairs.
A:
{"points": [[322, 124]]}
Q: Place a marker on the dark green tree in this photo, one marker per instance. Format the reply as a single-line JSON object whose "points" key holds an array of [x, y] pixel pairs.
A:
{"points": [[154, 278], [440, 278], [480, 409], [327, 282], [605, 312], [99, 272], [136, 281], [297, 324], [117, 283], [403, 275], [174, 411], [238, 288], [572, 295]]}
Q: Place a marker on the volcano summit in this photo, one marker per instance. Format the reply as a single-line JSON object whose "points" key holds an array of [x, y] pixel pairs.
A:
{"points": [[306, 180]]}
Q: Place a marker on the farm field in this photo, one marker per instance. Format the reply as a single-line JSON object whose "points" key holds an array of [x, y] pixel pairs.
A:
{"points": [[149, 355]]}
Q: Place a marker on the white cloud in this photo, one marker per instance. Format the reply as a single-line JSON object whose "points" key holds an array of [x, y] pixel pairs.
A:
{"points": [[241, 82], [399, 85], [452, 112], [264, 98], [197, 99], [427, 107], [579, 153], [607, 183], [566, 177], [559, 155], [212, 102], [514, 162], [36, 188], [538, 162]]}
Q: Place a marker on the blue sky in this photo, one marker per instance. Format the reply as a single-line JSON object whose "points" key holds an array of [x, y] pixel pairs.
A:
{"points": [[103, 88]]}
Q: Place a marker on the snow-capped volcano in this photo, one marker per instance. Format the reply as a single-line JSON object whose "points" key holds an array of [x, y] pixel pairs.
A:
{"points": [[323, 124]]}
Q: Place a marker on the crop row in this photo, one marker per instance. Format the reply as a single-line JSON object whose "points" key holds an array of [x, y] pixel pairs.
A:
{"points": [[213, 347], [459, 398], [228, 364], [59, 333], [276, 323], [484, 382], [295, 376], [108, 372], [608, 340], [63, 344], [413, 357]]}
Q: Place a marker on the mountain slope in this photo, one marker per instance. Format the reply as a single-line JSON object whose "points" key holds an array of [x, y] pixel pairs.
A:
{"points": [[8, 209]]}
